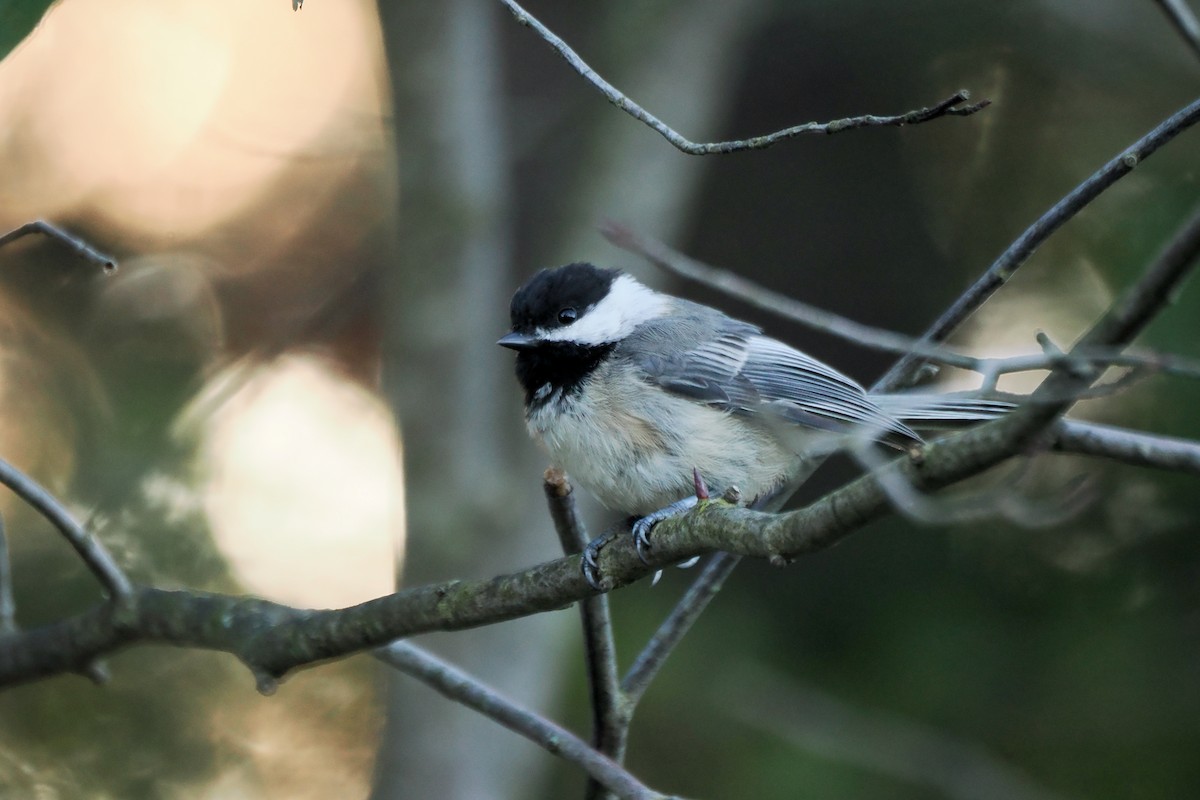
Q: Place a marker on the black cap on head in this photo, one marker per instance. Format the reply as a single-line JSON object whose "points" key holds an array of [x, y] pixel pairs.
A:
{"points": [[578, 286]]}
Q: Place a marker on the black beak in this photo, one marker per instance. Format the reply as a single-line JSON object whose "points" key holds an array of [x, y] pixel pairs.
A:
{"points": [[518, 341]]}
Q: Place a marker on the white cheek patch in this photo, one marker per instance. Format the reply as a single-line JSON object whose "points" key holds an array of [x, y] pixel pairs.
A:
{"points": [[627, 305]]}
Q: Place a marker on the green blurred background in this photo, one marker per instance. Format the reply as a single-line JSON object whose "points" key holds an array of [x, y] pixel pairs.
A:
{"points": [[320, 218]]}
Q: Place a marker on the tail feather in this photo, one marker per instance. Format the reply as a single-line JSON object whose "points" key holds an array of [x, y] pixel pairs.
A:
{"points": [[941, 408]]}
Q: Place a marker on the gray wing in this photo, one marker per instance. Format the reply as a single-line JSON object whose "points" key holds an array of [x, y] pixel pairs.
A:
{"points": [[732, 366]]}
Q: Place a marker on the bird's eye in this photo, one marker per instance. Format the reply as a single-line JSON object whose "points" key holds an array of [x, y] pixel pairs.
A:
{"points": [[567, 315]]}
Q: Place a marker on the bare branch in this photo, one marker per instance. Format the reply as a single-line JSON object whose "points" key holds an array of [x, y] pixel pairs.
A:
{"points": [[560, 498], [672, 630], [689, 608], [462, 688], [1151, 294], [1144, 363], [1005, 501], [1130, 447], [8, 605], [89, 548], [1124, 320], [1019, 251], [1184, 21], [274, 639], [736, 286], [951, 106], [95, 671], [79, 246], [610, 726]]}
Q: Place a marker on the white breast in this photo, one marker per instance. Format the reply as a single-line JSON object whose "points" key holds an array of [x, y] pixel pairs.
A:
{"points": [[604, 439]]}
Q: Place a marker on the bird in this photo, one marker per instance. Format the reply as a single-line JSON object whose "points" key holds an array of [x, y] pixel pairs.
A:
{"points": [[634, 393]]}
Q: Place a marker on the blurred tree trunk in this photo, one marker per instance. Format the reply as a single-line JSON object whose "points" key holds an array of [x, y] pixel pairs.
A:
{"points": [[475, 505]]}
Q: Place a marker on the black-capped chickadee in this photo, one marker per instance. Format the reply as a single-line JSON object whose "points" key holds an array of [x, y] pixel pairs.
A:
{"points": [[632, 392]]}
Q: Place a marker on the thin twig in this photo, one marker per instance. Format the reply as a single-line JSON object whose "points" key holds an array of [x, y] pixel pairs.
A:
{"points": [[754, 294], [689, 608], [89, 548], [1069, 381], [8, 604], [609, 726], [1123, 321], [79, 246], [560, 497], [676, 625], [455, 684], [94, 670], [1151, 294], [951, 106], [1130, 447], [1019, 251], [1088, 358], [1003, 501], [1184, 21]]}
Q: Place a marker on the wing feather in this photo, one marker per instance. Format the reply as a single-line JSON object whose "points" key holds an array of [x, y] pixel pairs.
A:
{"points": [[738, 369]]}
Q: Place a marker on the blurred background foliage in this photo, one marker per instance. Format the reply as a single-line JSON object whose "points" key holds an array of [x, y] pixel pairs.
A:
{"points": [[320, 217]]}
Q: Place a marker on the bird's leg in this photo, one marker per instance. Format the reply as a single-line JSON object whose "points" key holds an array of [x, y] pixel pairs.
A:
{"points": [[590, 564], [641, 528]]}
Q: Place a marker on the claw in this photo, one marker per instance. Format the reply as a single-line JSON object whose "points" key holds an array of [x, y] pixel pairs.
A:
{"points": [[589, 564], [701, 486], [641, 536]]}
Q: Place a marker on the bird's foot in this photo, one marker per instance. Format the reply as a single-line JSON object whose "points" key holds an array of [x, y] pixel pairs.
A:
{"points": [[641, 528], [590, 562]]}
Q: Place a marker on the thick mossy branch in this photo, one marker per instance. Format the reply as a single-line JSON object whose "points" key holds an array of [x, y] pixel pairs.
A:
{"points": [[273, 639]]}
